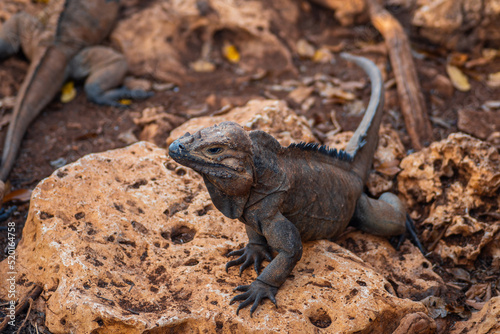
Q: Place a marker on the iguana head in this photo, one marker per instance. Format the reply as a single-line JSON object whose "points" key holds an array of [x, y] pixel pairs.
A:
{"points": [[222, 154]]}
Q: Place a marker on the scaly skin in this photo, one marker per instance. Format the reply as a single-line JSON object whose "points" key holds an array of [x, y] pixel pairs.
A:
{"points": [[58, 52], [286, 195]]}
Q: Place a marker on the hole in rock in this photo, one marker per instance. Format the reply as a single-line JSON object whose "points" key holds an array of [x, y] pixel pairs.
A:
{"points": [[170, 166], [180, 171], [182, 234], [191, 262], [320, 318], [45, 215]]}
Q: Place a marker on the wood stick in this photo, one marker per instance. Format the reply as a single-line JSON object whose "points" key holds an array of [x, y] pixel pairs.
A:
{"points": [[21, 305], [410, 94]]}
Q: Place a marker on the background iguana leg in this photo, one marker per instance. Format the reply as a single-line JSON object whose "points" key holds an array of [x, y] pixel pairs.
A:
{"points": [[104, 69], [385, 216], [17, 32]]}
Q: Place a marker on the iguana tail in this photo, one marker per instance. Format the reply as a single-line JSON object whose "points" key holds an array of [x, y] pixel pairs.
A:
{"points": [[43, 81], [363, 143], [81, 23]]}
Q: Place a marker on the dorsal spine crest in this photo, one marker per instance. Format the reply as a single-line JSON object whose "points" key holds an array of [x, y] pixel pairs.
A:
{"points": [[322, 149]]}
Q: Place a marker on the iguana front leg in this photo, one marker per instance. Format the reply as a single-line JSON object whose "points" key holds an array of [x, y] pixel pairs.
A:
{"points": [[254, 252], [283, 237], [104, 69]]}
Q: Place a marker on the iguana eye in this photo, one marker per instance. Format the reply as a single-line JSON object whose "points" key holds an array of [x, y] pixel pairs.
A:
{"points": [[214, 150]]}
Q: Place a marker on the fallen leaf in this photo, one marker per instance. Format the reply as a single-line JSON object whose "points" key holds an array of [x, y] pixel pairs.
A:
{"points": [[490, 53], [460, 274], [231, 53], [8, 102], [474, 304], [160, 87], [202, 66], [322, 55], [128, 137], [308, 104], [19, 195], [493, 80], [330, 91], [458, 59], [305, 49], [458, 78], [436, 307], [68, 92], [300, 94], [491, 105], [389, 168], [126, 102]]}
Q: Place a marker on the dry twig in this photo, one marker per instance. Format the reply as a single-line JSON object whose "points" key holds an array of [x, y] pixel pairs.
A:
{"points": [[409, 90], [28, 299]]}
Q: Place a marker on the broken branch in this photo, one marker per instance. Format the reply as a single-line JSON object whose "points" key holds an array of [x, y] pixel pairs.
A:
{"points": [[409, 91]]}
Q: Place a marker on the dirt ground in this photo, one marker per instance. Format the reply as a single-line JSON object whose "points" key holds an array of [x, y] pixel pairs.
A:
{"points": [[64, 133]]}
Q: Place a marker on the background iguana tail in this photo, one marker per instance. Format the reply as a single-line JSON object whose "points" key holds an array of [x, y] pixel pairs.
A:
{"points": [[363, 143], [80, 24], [34, 95]]}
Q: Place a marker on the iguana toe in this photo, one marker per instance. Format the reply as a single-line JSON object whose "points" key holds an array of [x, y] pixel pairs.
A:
{"points": [[252, 253], [254, 294]]}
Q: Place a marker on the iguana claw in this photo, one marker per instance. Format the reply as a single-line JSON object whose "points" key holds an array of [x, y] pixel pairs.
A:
{"points": [[252, 253], [254, 293]]}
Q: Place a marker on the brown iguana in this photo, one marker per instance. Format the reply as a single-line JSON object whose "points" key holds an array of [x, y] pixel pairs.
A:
{"points": [[61, 46], [287, 194]]}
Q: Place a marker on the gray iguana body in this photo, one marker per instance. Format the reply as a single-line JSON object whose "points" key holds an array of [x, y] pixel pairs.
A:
{"points": [[63, 46], [285, 195]]}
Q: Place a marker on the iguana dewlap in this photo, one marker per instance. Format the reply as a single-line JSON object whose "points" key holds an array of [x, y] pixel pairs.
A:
{"points": [[286, 195], [62, 45]]}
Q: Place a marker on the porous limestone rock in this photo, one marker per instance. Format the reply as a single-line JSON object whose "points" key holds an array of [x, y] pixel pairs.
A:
{"points": [[458, 24], [127, 241], [483, 322], [409, 272], [272, 116], [456, 181]]}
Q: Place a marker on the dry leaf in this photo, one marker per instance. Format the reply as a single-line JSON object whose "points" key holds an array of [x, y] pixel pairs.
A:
{"points": [[322, 55], [329, 91], [389, 168], [8, 102], [458, 78], [493, 80], [68, 92], [458, 59], [436, 307], [305, 49], [19, 195], [474, 304], [231, 53], [300, 94], [202, 66], [126, 102]]}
